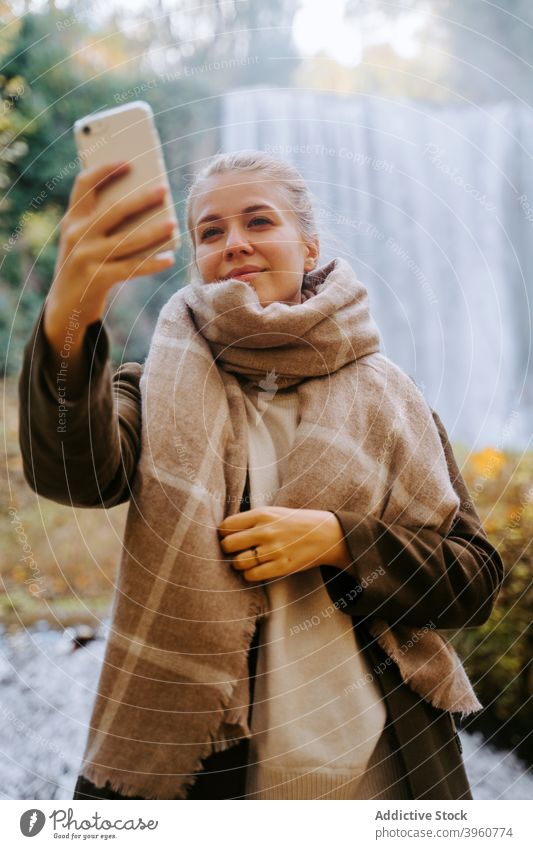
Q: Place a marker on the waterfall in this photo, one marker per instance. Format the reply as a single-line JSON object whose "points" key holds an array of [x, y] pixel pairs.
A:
{"points": [[433, 206]]}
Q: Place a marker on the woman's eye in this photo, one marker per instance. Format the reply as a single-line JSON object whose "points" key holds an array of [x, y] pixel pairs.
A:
{"points": [[212, 231], [209, 232]]}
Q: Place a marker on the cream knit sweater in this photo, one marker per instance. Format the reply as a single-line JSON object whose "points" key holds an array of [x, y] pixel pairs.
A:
{"points": [[317, 713]]}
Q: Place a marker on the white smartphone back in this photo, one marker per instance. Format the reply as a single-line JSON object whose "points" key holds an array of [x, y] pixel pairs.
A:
{"points": [[127, 132]]}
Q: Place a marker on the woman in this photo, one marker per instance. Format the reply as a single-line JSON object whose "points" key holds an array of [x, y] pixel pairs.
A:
{"points": [[284, 642]]}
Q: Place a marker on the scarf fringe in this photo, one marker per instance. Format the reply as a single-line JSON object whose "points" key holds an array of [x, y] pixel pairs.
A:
{"points": [[230, 728], [440, 679], [99, 776]]}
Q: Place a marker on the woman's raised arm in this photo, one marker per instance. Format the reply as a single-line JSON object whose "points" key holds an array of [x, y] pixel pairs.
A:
{"points": [[79, 427], [419, 577], [84, 452]]}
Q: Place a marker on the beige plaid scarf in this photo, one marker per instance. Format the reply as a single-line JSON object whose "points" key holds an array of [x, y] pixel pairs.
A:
{"points": [[174, 686]]}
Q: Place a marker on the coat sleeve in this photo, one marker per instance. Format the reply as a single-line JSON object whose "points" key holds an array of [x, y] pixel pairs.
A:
{"points": [[85, 454], [419, 576]]}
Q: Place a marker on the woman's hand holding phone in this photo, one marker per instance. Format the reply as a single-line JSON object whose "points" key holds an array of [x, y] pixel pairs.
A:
{"points": [[92, 258]]}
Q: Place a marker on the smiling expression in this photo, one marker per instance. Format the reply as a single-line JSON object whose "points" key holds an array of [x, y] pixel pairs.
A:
{"points": [[241, 223]]}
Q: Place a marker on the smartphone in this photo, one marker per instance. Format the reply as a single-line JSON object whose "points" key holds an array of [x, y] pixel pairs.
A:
{"points": [[127, 132]]}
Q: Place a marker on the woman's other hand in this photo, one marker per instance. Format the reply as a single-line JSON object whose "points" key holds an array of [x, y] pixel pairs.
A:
{"points": [[286, 540]]}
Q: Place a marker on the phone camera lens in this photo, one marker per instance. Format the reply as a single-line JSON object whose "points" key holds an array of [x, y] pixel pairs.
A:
{"points": [[86, 129]]}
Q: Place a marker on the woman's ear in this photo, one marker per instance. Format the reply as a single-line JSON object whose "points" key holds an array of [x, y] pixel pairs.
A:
{"points": [[313, 249]]}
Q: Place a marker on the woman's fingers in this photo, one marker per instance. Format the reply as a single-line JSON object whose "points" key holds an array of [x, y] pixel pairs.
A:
{"points": [[125, 244], [84, 191], [125, 269], [240, 540], [109, 219], [88, 264], [245, 560]]}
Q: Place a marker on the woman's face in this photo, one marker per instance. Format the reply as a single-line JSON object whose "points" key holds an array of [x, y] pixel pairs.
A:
{"points": [[249, 225]]}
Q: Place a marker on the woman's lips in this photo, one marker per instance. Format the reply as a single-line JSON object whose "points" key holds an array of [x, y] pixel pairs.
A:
{"points": [[248, 276]]}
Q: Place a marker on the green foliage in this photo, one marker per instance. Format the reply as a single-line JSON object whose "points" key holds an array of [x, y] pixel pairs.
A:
{"points": [[498, 654], [16, 322]]}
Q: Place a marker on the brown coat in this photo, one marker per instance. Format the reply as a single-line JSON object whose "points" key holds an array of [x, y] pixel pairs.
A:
{"points": [[452, 581]]}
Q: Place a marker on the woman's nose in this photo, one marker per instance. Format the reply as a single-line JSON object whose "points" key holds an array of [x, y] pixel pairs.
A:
{"points": [[236, 241]]}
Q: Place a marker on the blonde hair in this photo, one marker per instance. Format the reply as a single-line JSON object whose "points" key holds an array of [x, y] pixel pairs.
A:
{"points": [[298, 196]]}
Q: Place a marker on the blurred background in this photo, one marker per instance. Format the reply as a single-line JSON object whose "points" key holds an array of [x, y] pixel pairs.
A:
{"points": [[412, 123]]}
